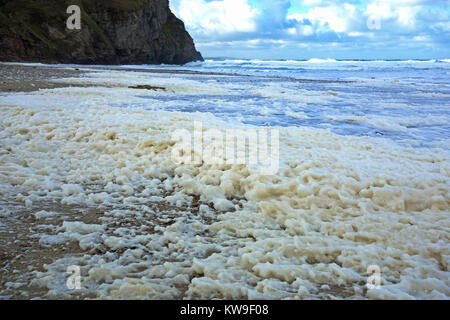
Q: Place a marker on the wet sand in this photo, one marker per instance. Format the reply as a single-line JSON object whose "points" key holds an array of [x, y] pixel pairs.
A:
{"points": [[23, 253], [19, 78], [26, 78]]}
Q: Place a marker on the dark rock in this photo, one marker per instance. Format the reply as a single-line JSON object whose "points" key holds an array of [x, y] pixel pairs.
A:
{"points": [[147, 87], [112, 32]]}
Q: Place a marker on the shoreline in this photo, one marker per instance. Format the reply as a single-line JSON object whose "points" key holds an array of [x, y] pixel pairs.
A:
{"points": [[25, 77], [18, 77], [85, 183]]}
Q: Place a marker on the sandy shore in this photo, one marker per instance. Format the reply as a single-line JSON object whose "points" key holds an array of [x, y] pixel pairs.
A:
{"points": [[20, 78], [86, 183], [27, 78], [21, 251]]}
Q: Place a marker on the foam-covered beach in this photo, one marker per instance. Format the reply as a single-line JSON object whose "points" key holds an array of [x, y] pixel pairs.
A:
{"points": [[87, 178]]}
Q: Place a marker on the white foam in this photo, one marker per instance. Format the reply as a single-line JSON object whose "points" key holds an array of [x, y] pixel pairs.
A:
{"points": [[297, 115], [337, 205]]}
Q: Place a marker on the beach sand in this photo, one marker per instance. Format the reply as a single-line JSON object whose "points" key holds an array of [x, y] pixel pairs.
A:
{"points": [[21, 252], [27, 78], [21, 78], [86, 184]]}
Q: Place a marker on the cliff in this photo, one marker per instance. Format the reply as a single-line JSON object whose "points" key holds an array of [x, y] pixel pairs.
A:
{"points": [[112, 32]]}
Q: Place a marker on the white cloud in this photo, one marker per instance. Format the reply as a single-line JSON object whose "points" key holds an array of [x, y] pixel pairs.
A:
{"points": [[442, 26], [406, 16], [404, 12], [223, 25], [421, 38], [382, 11], [311, 3], [216, 17], [335, 18]]}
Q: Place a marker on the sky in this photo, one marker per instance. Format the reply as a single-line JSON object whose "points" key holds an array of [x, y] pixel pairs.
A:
{"points": [[305, 29]]}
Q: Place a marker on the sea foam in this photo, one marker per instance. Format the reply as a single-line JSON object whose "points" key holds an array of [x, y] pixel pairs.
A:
{"points": [[338, 204]]}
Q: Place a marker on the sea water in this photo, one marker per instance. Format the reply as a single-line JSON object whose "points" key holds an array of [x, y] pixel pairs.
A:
{"points": [[400, 100]]}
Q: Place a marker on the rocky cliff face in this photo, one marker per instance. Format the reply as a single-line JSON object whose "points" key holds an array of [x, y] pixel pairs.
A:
{"points": [[112, 32]]}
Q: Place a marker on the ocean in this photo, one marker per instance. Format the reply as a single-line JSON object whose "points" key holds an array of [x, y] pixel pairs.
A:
{"points": [[403, 100], [358, 206]]}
